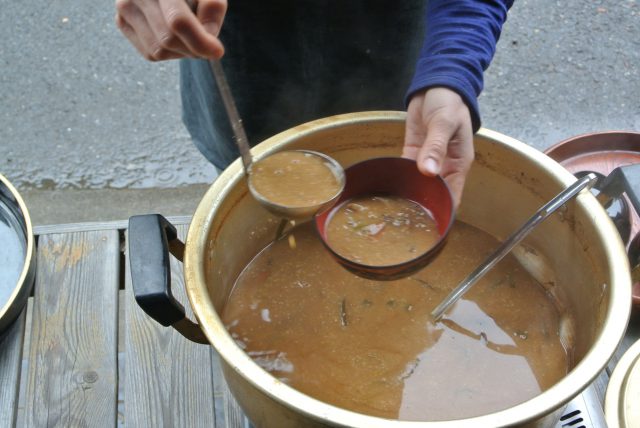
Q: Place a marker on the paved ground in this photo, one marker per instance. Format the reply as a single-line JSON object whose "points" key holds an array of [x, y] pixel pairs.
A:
{"points": [[89, 131]]}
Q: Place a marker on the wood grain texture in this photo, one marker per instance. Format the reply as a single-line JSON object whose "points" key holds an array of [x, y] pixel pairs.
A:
{"points": [[168, 379], [72, 359], [10, 365], [102, 225]]}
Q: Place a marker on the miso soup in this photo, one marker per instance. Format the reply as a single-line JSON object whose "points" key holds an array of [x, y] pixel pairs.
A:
{"points": [[371, 347], [381, 230], [294, 179]]}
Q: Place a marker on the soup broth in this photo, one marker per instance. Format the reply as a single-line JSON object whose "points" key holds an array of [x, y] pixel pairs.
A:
{"points": [[294, 179], [371, 347], [381, 230]]}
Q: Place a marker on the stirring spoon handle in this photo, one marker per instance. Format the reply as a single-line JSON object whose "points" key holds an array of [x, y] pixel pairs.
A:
{"points": [[234, 117], [562, 198]]}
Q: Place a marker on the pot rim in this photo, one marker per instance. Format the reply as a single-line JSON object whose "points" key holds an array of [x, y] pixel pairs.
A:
{"points": [[553, 398], [23, 280]]}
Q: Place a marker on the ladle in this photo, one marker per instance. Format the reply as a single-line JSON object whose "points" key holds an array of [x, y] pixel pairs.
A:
{"points": [[562, 198], [242, 142], [287, 212]]}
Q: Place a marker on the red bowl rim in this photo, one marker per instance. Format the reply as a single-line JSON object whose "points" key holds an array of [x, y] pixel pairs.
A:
{"points": [[394, 270]]}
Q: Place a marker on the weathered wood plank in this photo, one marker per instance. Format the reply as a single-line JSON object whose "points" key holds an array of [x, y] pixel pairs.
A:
{"points": [[168, 379], [121, 360], [26, 346], [72, 361], [104, 225], [10, 364]]}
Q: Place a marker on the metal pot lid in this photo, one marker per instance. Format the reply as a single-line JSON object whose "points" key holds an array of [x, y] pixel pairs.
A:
{"points": [[15, 249], [623, 392]]}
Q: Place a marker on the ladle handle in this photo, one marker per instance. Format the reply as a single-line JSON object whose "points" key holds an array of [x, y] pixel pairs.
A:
{"points": [[229, 104], [234, 117], [562, 198]]}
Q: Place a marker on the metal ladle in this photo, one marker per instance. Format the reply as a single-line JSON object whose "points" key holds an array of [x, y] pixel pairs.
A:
{"points": [[562, 198], [287, 212], [242, 142]]}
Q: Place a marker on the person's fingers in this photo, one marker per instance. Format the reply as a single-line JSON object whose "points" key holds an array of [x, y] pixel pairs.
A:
{"points": [[135, 26], [185, 25], [164, 42], [439, 136], [431, 155], [211, 14], [412, 142], [129, 33], [410, 152], [456, 186], [414, 133], [124, 9], [458, 163], [455, 172]]}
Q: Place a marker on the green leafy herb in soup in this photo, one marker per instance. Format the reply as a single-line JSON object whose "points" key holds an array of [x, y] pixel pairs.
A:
{"points": [[371, 347], [381, 231], [294, 179]]}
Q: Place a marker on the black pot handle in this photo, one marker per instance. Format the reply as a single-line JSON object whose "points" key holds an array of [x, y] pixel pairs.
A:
{"points": [[151, 238]]}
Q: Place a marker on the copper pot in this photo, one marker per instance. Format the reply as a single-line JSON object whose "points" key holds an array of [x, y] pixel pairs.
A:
{"points": [[577, 253]]}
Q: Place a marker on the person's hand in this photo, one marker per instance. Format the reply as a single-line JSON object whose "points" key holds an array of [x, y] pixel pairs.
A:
{"points": [[439, 136], [169, 29]]}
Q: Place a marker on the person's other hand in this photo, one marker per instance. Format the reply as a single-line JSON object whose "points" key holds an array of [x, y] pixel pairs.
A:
{"points": [[439, 136], [169, 29]]}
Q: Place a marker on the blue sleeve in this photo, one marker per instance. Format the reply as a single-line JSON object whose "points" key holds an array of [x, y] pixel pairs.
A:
{"points": [[460, 41]]}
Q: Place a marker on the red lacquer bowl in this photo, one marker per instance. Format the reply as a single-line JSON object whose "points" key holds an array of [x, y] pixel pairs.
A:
{"points": [[393, 177]]}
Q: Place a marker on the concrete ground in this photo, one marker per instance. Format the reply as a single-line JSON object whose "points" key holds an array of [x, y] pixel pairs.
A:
{"points": [[89, 131]]}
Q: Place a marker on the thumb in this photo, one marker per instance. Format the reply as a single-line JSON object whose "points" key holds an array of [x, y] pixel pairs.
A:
{"points": [[434, 150]]}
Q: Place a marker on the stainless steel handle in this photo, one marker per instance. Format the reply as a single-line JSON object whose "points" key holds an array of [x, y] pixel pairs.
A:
{"points": [[234, 117], [229, 104], [562, 198]]}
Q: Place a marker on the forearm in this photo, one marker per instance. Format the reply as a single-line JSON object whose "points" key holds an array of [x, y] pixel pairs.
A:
{"points": [[460, 42]]}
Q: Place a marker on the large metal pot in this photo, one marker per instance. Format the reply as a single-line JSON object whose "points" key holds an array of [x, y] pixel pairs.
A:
{"points": [[577, 254]]}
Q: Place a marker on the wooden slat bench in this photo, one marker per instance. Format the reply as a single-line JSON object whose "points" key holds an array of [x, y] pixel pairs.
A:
{"points": [[83, 354]]}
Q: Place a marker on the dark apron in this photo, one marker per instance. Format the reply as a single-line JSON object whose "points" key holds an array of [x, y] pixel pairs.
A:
{"points": [[289, 62]]}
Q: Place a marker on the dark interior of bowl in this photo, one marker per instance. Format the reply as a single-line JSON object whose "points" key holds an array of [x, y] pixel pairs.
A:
{"points": [[393, 176]]}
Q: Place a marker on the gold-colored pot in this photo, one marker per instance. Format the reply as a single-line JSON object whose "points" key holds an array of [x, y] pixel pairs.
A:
{"points": [[577, 254]]}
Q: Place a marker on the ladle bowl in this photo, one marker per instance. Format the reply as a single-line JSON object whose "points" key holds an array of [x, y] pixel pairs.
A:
{"points": [[301, 212], [392, 176]]}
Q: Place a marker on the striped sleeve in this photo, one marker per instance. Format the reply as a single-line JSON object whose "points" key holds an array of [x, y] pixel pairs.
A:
{"points": [[460, 41]]}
